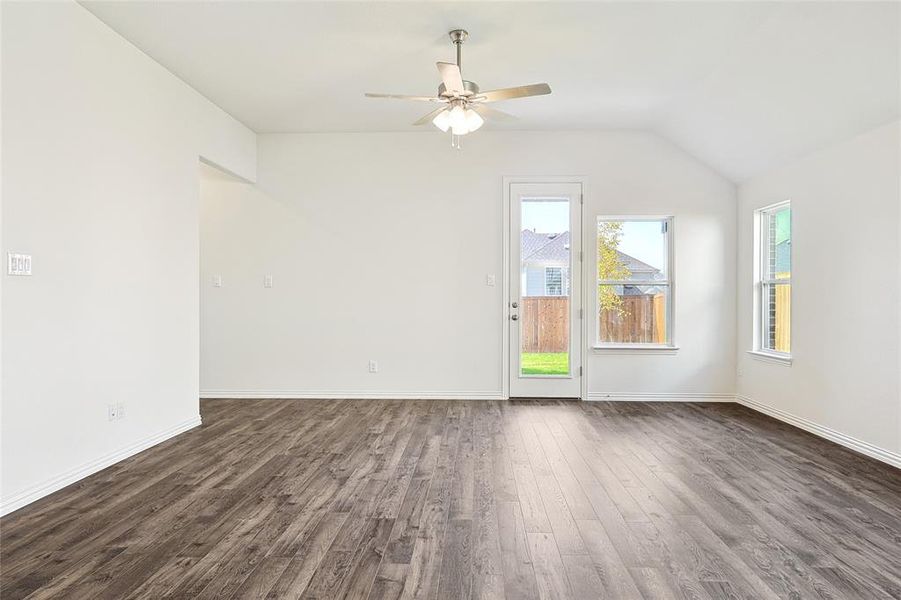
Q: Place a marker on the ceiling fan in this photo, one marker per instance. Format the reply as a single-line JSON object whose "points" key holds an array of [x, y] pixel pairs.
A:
{"points": [[462, 103]]}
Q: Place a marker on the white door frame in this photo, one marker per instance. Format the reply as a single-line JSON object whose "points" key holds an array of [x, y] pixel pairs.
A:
{"points": [[588, 259]]}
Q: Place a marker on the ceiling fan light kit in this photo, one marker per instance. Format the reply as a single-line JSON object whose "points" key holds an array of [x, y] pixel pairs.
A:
{"points": [[464, 107], [458, 119]]}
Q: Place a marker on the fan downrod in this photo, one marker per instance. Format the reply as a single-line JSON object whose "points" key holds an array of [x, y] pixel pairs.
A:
{"points": [[458, 36]]}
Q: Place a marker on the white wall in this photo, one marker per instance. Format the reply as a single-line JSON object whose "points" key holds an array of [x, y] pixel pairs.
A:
{"points": [[845, 291], [379, 245], [100, 184]]}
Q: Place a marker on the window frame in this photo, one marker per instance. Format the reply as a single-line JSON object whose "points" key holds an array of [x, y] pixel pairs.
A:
{"points": [[669, 346], [762, 285], [563, 290]]}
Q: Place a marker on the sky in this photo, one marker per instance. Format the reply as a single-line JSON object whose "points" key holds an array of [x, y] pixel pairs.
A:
{"points": [[644, 240], [548, 216]]}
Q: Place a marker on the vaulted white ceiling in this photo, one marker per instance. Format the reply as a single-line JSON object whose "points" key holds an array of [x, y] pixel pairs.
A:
{"points": [[741, 85]]}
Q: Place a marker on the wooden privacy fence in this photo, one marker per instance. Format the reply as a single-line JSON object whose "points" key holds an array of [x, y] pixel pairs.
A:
{"points": [[643, 320], [783, 318], [545, 323]]}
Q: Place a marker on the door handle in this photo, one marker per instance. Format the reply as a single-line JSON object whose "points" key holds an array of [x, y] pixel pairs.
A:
{"points": [[514, 317]]}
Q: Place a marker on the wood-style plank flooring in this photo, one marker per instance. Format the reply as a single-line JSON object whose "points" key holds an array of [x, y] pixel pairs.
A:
{"points": [[434, 499]]}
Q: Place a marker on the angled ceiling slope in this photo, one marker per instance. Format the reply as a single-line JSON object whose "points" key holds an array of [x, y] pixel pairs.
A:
{"points": [[743, 86]]}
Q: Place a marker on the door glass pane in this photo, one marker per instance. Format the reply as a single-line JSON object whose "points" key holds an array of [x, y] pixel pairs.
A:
{"points": [[545, 277]]}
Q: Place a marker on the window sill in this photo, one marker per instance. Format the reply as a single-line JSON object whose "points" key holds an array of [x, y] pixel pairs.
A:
{"points": [[769, 357], [635, 349]]}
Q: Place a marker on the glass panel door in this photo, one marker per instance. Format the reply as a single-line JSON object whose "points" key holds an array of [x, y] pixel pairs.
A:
{"points": [[545, 283]]}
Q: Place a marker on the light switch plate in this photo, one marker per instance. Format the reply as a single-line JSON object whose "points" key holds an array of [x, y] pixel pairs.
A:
{"points": [[18, 264]]}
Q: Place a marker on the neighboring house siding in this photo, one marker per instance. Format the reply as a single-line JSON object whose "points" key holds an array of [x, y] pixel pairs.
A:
{"points": [[534, 281], [534, 278], [783, 259]]}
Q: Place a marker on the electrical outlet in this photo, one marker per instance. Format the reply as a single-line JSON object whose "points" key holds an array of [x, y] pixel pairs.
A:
{"points": [[111, 412], [490, 280], [267, 281], [373, 366], [217, 280]]}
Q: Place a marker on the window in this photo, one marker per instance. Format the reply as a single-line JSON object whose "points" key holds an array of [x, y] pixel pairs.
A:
{"points": [[635, 282], [773, 285], [553, 281]]}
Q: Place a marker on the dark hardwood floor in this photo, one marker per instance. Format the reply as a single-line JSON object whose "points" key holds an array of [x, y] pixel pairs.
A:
{"points": [[435, 499]]}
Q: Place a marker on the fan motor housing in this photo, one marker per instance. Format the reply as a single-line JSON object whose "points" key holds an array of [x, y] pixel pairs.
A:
{"points": [[469, 88]]}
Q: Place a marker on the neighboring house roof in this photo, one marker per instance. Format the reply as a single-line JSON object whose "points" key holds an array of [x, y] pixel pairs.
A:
{"points": [[639, 290], [554, 248], [634, 265], [545, 247], [531, 241]]}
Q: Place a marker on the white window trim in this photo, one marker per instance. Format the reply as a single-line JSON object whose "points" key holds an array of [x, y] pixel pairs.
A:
{"points": [[779, 358], [563, 289], [761, 242], [652, 349], [670, 346]]}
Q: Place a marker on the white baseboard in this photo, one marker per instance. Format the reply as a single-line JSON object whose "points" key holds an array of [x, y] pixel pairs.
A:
{"points": [[17, 501], [865, 448], [351, 395], [659, 397], [478, 395]]}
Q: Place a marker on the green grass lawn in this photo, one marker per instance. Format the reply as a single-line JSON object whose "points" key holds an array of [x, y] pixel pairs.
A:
{"points": [[545, 363]]}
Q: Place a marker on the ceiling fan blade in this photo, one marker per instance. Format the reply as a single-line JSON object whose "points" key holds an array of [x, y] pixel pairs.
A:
{"points": [[403, 97], [492, 113], [523, 91], [450, 75], [428, 118]]}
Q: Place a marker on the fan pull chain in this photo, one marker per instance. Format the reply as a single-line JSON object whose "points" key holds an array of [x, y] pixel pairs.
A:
{"points": [[456, 143]]}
